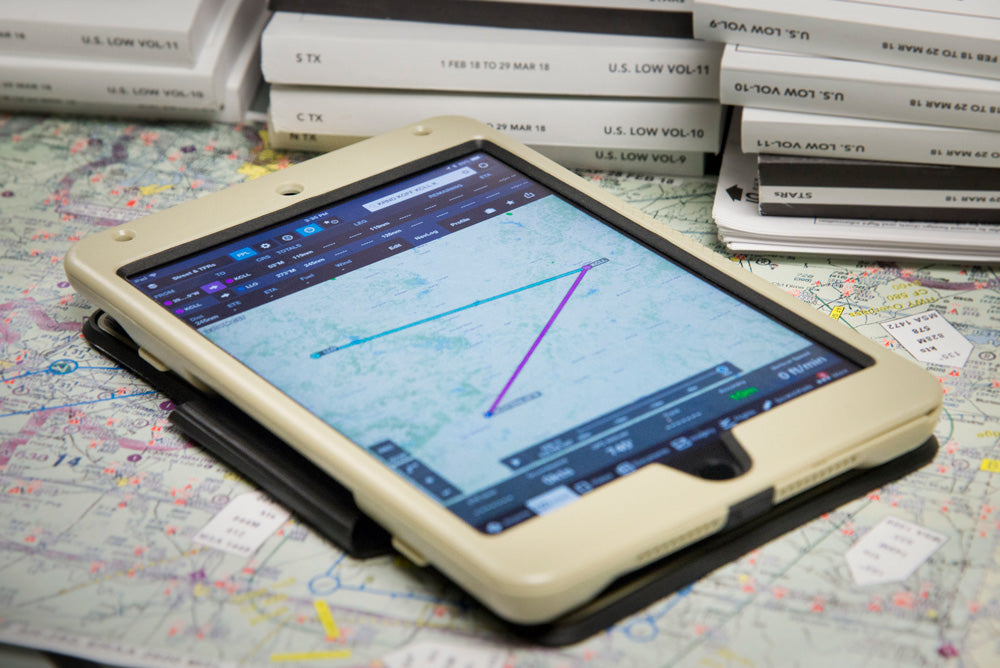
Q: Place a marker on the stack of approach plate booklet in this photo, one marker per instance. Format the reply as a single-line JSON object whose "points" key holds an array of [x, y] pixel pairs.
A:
{"points": [[864, 114], [192, 60], [593, 84], [741, 226]]}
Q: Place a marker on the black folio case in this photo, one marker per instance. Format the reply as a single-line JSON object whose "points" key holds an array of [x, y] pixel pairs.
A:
{"points": [[318, 500]]}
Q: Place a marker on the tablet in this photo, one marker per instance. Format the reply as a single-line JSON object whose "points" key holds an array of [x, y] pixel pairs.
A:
{"points": [[320, 502], [526, 382]]}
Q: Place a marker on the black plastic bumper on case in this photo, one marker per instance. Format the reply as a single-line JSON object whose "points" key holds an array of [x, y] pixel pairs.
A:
{"points": [[249, 449], [282, 472], [328, 507]]}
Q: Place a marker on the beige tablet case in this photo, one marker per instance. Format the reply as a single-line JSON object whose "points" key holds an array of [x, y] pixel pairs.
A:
{"points": [[543, 567]]}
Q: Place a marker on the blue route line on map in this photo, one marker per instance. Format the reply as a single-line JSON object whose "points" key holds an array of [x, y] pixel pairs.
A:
{"points": [[541, 335], [478, 302], [650, 620], [23, 375], [42, 409], [55, 369], [62, 368], [329, 582]]}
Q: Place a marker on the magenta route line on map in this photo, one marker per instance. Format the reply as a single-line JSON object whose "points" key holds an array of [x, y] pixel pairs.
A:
{"points": [[545, 330]]}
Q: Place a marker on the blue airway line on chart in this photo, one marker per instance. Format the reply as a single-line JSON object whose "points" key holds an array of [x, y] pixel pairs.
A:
{"points": [[479, 302]]}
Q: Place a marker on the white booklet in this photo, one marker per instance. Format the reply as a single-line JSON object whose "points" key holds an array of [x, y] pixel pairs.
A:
{"points": [[742, 228]]}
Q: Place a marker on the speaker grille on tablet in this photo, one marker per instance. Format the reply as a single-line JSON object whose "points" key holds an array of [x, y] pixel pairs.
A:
{"points": [[677, 542], [828, 471]]}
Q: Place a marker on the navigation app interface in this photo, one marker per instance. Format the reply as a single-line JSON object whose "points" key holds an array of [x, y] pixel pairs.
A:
{"points": [[497, 346]]}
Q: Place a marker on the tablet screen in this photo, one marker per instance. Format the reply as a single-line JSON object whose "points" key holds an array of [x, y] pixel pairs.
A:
{"points": [[501, 348]]}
